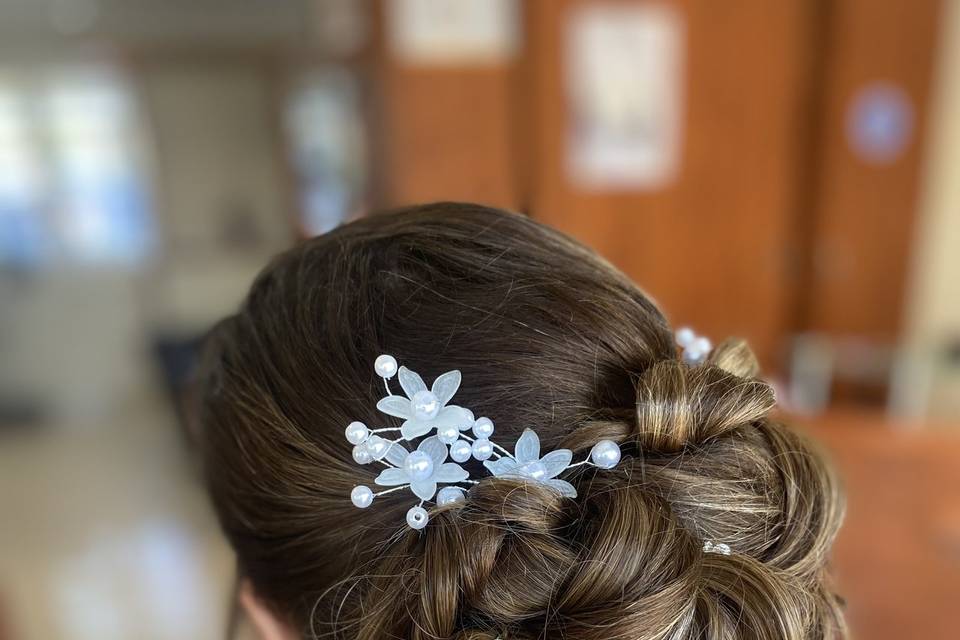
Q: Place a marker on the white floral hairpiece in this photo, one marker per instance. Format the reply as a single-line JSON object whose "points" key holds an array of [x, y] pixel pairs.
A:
{"points": [[428, 412], [695, 347]]}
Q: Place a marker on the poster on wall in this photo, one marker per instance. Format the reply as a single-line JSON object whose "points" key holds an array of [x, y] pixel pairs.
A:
{"points": [[452, 32], [624, 86]]}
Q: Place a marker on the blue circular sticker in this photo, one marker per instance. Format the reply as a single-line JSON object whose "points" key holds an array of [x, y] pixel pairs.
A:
{"points": [[880, 123]]}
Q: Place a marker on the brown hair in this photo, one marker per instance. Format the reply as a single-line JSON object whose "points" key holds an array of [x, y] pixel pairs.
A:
{"points": [[548, 336]]}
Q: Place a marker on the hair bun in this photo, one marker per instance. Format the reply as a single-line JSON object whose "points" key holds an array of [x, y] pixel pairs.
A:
{"points": [[679, 405]]}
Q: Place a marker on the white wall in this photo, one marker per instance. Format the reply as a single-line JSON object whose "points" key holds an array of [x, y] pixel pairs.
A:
{"points": [[217, 152], [934, 310]]}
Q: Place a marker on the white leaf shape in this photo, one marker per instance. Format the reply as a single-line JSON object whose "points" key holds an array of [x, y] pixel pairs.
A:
{"points": [[396, 454], [556, 461], [414, 429], [446, 385], [410, 381], [435, 449], [396, 406], [424, 489], [450, 472], [528, 447], [501, 467], [565, 488], [452, 416], [392, 477]]}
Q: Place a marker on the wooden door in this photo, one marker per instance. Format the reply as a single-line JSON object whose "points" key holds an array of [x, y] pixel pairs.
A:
{"points": [[716, 246]]}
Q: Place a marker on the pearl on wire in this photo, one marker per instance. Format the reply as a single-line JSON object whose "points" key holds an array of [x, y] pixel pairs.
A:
{"points": [[356, 432], [417, 517], [483, 428], [605, 454], [461, 451], [361, 455], [361, 496], [482, 449], [385, 366], [450, 495], [448, 434]]}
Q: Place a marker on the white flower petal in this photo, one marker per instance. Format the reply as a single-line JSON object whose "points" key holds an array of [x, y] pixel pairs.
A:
{"points": [[392, 477], [396, 406], [453, 416], [410, 381], [564, 487], [501, 467], [528, 447], [396, 454], [450, 472], [556, 461], [414, 429], [435, 449], [424, 489], [446, 385]]}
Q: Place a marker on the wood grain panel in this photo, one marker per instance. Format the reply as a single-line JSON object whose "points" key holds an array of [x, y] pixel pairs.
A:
{"points": [[714, 248], [864, 213], [448, 134]]}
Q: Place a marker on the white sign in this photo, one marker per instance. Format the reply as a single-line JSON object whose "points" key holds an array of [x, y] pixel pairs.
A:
{"points": [[452, 32], [625, 78]]}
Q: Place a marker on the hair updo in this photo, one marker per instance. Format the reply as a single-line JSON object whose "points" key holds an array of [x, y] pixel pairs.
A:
{"points": [[550, 337]]}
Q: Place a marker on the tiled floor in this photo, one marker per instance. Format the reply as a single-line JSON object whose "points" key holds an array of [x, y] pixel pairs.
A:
{"points": [[106, 534]]}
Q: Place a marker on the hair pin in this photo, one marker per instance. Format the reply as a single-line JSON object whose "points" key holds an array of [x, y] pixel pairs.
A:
{"points": [[695, 347], [449, 436]]}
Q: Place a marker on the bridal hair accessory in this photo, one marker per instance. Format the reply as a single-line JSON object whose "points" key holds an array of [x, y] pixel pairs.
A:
{"points": [[695, 348], [436, 458]]}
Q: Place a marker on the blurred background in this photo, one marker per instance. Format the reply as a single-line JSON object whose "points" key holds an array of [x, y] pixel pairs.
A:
{"points": [[788, 171]]}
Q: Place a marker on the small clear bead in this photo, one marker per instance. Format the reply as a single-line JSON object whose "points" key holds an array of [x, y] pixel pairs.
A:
{"points": [[720, 547], [448, 435], [356, 432], [361, 496], [418, 465], [483, 427], [685, 336], [361, 455], [482, 449], [425, 405], [702, 345], [450, 495], [417, 517], [377, 447], [460, 451], [385, 366], [605, 454]]}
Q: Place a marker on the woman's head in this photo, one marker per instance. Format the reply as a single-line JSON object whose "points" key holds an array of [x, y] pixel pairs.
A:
{"points": [[549, 337]]}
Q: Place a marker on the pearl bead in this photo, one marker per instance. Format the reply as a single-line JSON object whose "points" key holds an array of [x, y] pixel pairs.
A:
{"points": [[356, 432], [483, 427], [361, 455], [385, 366], [534, 470], [450, 495], [702, 345], [685, 336], [460, 451], [448, 435], [361, 496], [425, 405], [417, 517], [418, 465], [605, 454], [377, 447], [482, 449]]}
